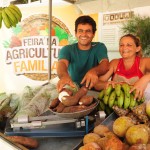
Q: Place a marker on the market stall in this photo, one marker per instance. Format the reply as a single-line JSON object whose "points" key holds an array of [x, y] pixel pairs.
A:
{"points": [[30, 60]]}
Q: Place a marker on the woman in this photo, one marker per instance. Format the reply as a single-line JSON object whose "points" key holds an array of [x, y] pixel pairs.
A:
{"points": [[132, 68]]}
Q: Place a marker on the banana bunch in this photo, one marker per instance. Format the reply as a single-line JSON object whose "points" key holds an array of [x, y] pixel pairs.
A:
{"points": [[118, 96], [10, 15]]}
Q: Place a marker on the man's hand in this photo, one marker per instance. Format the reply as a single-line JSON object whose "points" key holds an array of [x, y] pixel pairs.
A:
{"points": [[90, 79], [64, 81]]}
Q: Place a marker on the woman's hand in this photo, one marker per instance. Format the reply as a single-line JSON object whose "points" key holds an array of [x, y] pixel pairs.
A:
{"points": [[140, 86]]}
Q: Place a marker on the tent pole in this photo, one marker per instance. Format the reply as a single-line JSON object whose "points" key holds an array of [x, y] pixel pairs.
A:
{"points": [[49, 46]]}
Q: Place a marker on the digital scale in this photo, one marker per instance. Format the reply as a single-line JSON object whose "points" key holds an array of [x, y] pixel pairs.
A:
{"points": [[50, 125]]}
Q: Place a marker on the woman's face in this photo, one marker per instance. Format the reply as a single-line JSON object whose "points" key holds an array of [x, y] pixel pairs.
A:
{"points": [[127, 47], [84, 35]]}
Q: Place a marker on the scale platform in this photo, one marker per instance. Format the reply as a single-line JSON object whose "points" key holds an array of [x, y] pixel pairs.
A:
{"points": [[54, 126]]}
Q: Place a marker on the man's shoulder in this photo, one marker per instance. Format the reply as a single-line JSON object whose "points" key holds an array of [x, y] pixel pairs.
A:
{"points": [[97, 44], [69, 46]]}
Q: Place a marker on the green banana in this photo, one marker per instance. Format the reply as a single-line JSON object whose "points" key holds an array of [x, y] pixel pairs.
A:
{"points": [[108, 89], [120, 99], [6, 19], [126, 103], [13, 24], [115, 103], [132, 101], [118, 89], [108, 110], [1, 18], [105, 99], [101, 106], [15, 13], [126, 89], [111, 99], [11, 16], [101, 94], [142, 100], [16, 8]]}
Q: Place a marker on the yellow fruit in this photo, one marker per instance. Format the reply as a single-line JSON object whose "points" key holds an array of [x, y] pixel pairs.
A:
{"points": [[101, 130], [90, 137], [137, 135], [148, 108], [121, 125]]}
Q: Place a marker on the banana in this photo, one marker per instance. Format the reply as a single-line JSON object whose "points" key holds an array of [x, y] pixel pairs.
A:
{"points": [[105, 99], [118, 89], [132, 101], [115, 103], [11, 16], [126, 89], [15, 13], [16, 8], [108, 90], [13, 24], [6, 19], [108, 110], [120, 99], [111, 99], [1, 18], [126, 103], [101, 94], [101, 106]]}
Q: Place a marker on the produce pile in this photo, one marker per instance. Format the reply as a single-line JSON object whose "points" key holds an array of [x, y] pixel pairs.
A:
{"points": [[73, 101], [130, 131], [125, 135], [118, 98], [10, 15]]}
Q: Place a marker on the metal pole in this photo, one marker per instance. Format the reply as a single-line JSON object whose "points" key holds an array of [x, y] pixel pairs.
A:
{"points": [[49, 49]]}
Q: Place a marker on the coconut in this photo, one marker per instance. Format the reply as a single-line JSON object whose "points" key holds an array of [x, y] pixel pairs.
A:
{"points": [[121, 125], [137, 135]]}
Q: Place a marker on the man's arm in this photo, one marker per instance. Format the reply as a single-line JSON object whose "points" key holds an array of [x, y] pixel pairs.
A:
{"points": [[62, 68], [91, 77], [102, 68], [62, 72]]}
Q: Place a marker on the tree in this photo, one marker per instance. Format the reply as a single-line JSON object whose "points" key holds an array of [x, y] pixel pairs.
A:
{"points": [[139, 26]]}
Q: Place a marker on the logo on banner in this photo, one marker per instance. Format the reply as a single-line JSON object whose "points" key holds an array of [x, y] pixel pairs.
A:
{"points": [[119, 17], [27, 49]]}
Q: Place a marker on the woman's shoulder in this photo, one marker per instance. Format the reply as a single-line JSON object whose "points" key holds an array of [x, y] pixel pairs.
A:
{"points": [[145, 60], [115, 61]]}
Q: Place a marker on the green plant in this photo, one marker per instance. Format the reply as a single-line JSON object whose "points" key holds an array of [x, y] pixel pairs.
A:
{"points": [[139, 26]]}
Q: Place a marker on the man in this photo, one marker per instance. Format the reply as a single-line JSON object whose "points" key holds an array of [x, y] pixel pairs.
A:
{"points": [[85, 61]]}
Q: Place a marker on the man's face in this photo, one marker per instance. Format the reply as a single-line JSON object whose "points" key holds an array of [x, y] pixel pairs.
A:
{"points": [[84, 35]]}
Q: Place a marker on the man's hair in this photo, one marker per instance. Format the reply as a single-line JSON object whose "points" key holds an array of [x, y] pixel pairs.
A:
{"points": [[85, 20]]}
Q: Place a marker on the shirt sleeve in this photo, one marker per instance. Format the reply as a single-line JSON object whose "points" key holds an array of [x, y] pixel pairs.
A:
{"points": [[64, 53], [102, 52]]}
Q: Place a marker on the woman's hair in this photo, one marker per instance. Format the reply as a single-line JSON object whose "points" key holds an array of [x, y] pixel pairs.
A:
{"points": [[136, 41], [85, 20]]}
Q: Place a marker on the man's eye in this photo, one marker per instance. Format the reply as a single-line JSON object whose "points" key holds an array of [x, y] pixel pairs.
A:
{"points": [[88, 31], [80, 31]]}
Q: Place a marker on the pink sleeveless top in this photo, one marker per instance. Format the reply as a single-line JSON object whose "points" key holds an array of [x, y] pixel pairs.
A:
{"points": [[129, 76]]}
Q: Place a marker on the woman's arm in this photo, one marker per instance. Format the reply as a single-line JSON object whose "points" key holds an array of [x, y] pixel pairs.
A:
{"points": [[140, 86], [103, 80]]}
